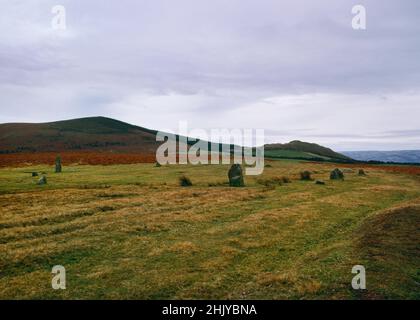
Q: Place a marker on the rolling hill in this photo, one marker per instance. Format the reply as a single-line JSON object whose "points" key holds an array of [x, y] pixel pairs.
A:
{"points": [[85, 134], [101, 134], [303, 150]]}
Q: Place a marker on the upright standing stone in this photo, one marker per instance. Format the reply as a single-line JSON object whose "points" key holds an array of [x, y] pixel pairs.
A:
{"points": [[236, 177], [58, 164]]}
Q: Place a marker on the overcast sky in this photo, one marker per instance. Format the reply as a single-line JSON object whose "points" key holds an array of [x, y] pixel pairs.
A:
{"points": [[294, 68]]}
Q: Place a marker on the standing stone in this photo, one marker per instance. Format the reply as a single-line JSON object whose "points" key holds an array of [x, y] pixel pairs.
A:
{"points": [[58, 164], [305, 175], [362, 172], [42, 180], [34, 174], [337, 174], [236, 177]]}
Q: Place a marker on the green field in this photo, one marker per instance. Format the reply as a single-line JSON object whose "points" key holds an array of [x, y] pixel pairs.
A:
{"points": [[131, 232], [292, 154]]}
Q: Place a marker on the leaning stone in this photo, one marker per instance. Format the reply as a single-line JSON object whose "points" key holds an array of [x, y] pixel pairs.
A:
{"points": [[337, 174], [236, 177], [42, 180]]}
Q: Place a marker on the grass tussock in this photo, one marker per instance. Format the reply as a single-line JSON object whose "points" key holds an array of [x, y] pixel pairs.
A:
{"points": [[218, 184], [184, 247], [306, 175], [273, 181]]}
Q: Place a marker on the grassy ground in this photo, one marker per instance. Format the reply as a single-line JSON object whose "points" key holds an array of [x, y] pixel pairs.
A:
{"points": [[292, 154], [129, 231]]}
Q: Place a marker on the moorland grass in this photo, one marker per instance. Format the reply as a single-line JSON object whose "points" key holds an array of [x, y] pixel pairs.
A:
{"points": [[131, 232]]}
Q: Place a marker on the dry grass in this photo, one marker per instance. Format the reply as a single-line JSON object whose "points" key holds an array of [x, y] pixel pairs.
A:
{"points": [[130, 231], [390, 241]]}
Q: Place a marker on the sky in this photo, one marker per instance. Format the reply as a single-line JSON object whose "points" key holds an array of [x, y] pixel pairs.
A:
{"points": [[296, 69]]}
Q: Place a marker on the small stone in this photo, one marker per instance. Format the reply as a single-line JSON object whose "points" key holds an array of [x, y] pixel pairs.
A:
{"points": [[184, 181], [319, 182]]}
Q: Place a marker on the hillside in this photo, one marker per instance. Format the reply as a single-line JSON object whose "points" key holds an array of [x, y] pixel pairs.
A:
{"points": [[100, 134], [95, 133], [303, 150]]}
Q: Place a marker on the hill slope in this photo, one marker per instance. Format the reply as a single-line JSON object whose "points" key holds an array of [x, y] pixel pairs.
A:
{"points": [[303, 150], [100, 134], [95, 133]]}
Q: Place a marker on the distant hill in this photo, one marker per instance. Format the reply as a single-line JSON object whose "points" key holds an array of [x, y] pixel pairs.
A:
{"points": [[95, 133], [101, 134], [303, 150], [402, 156]]}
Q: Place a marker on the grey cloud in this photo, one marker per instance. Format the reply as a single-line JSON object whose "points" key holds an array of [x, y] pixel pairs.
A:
{"points": [[224, 55]]}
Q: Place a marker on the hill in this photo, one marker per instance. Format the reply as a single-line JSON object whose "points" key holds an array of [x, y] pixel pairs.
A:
{"points": [[91, 134], [303, 150], [101, 134]]}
